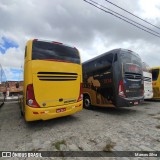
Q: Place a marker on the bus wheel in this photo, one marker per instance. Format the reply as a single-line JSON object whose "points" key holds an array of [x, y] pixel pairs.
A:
{"points": [[21, 112], [87, 102]]}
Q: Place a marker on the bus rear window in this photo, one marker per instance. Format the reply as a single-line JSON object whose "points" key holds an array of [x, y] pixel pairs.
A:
{"points": [[132, 62], [155, 73], [50, 51]]}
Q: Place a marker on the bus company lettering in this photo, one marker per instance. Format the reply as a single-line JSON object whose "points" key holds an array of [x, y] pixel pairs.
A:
{"points": [[108, 80]]}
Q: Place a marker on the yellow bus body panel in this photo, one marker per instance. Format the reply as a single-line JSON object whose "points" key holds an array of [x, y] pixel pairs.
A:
{"points": [[92, 94], [51, 95], [32, 114], [156, 86]]}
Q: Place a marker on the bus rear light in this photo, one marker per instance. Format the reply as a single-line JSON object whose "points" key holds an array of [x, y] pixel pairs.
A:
{"points": [[31, 101], [142, 92], [78, 105], [57, 42], [121, 89], [42, 112], [35, 112], [80, 98]]}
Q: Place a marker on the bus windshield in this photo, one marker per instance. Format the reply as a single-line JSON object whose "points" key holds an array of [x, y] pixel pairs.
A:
{"points": [[50, 51], [131, 62], [155, 73]]}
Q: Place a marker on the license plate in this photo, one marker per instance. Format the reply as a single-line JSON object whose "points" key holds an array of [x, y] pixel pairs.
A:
{"points": [[60, 110], [135, 103]]}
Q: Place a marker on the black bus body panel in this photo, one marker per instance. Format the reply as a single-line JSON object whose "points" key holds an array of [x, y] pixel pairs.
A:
{"points": [[108, 77]]}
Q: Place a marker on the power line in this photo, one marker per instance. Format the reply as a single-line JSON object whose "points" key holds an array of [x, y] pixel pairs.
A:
{"points": [[121, 18], [124, 17], [132, 14]]}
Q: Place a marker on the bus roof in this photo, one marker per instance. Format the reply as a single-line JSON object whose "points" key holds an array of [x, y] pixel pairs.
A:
{"points": [[111, 51], [158, 67], [55, 42]]}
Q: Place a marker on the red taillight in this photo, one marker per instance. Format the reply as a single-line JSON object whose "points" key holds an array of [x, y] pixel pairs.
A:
{"points": [[30, 97], [57, 42], [80, 98], [142, 92], [121, 89]]}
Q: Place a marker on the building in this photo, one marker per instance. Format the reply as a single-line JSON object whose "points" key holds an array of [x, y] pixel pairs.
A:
{"points": [[11, 89]]}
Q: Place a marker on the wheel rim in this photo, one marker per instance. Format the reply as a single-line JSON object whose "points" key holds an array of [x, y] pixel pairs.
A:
{"points": [[87, 102]]}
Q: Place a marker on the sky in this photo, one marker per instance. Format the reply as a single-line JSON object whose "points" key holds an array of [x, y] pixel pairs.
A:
{"points": [[76, 23]]}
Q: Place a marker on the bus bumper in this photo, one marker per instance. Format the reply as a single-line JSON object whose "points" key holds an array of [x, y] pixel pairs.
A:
{"points": [[148, 95], [128, 102], [33, 114]]}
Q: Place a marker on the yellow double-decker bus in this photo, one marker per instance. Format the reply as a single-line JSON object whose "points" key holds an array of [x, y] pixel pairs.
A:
{"points": [[52, 81], [156, 82]]}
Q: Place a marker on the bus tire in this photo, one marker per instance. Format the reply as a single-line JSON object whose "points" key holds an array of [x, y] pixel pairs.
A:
{"points": [[21, 112], [87, 102]]}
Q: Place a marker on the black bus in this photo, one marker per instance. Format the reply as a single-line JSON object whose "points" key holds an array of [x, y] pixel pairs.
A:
{"points": [[114, 78]]}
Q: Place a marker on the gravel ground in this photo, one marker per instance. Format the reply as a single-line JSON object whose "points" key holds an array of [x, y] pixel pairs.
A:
{"points": [[124, 129]]}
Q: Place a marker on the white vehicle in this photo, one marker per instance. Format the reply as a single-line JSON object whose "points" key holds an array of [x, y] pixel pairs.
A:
{"points": [[147, 76]]}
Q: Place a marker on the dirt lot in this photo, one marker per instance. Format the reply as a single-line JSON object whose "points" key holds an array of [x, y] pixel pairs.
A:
{"points": [[124, 129]]}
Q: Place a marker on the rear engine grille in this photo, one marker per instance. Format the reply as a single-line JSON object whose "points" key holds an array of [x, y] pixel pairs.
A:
{"points": [[147, 79], [133, 76], [133, 94], [57, 76]]}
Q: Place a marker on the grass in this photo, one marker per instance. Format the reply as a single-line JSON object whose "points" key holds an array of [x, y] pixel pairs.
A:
{"points": [[36, 149], [151, 114], [146, 108], [109, 146], [59, 143], [93, 141], [158, 126], [80, 148], [157, 118]]}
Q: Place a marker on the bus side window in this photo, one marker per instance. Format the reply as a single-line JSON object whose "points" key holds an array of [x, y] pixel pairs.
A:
{"points": [[109, 58], [155, 74], [98, 63]]}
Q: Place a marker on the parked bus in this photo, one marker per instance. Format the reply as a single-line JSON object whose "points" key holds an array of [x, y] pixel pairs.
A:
{"points": [[147, 77], [52, 81], [156, 82], [2, 92], [3, 86], [2, 98], [114, 78]]}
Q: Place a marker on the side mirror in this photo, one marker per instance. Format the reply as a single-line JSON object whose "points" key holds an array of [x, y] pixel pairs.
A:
{"points": [[17, 85]]}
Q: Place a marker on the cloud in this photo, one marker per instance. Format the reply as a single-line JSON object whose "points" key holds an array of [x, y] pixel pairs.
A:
{"points": [[14, 74], [6, 43], [76, 23]]}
